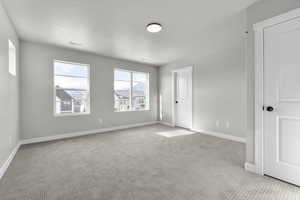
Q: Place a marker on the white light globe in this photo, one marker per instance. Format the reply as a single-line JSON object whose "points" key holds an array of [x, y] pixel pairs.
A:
{"points": [[154, 27]]}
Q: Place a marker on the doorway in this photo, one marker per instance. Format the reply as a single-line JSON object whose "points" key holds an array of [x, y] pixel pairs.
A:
{"points": [[182, 97]]}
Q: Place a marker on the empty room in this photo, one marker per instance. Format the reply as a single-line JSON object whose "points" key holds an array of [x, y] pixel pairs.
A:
{"points": [[149, 100]]}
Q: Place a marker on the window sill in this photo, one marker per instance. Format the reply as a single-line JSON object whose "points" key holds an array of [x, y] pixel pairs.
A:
{"points": [[132, 111], [71, 114]]}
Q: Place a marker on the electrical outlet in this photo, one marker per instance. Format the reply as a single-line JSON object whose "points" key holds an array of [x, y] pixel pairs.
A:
{"points": [[100, 120], [227, 124], [217, 123]]}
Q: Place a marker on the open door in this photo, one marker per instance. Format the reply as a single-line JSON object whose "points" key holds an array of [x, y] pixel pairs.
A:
{"points": [[282, 101]]}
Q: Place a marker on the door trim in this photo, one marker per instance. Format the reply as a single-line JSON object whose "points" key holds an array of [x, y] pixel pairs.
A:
{"points": [[190, 68], [259, 82]]}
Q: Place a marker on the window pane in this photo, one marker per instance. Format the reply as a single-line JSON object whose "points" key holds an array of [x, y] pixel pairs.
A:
{"points": [[140, 91], [122, 86], [71, 101], [12, 58], [138, 76], [122, 75], [70, 69], [131, 90], [71, 82]]}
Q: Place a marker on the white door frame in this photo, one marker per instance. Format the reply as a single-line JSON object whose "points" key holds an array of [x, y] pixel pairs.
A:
{"points": [[259, 82], [190, 68]]}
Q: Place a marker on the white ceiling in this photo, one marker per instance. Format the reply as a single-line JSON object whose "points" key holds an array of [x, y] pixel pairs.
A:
{"points": [[116, 28]]}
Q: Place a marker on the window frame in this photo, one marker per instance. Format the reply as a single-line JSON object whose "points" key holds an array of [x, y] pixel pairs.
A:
{"points": [[131, 84], [88, 112]]}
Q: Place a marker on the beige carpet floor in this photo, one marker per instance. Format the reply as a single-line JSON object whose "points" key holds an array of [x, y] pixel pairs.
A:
{"points": [[147, 163]]}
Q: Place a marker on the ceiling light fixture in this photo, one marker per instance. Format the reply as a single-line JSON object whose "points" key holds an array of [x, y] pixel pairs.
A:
{"points": [[154, 27]]}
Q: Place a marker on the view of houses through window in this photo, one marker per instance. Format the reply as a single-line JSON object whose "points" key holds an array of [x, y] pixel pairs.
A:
{"points": [[131, 90], [71, 82]]}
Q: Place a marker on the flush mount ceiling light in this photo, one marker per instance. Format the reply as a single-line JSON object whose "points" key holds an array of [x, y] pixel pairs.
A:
{"points": [[154, 27]]}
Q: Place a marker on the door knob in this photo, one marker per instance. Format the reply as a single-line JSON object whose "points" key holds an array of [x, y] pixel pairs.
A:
{"points": [[176, 101], [269, 108]]}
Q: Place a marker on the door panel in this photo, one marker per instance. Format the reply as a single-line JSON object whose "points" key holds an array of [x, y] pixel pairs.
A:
{"points": [[289, 137], [183, 98], [282, 91]]}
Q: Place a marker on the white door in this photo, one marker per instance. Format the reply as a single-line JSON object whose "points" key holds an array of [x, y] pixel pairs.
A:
{"points": [[183, 100], [282, 101]]}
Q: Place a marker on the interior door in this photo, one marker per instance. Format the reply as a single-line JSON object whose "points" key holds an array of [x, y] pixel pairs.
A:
{"points": [[282, 101], [183, 98]]}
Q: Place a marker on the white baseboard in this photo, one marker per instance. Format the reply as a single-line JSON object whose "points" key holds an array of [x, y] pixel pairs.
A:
{"points": [[221, 135], [82, 133], [166, 123], [6, 164], [250, 167]]}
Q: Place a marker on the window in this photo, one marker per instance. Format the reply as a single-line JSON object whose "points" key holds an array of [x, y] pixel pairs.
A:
{"points": [[131, 90], [71, 88], [12, 58]]}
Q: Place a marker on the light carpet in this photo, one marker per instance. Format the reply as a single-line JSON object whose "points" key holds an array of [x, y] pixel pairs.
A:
{"points": [[138, 164]]}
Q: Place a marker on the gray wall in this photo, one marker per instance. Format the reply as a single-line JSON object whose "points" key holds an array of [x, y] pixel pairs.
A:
{"points": [[257, 12], [224, 79], [218, 80], [9, 90], [37, 92]]}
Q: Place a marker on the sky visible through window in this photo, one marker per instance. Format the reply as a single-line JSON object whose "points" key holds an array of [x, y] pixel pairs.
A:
{"points": [[122, 79], [69, 75], [70, 69]]}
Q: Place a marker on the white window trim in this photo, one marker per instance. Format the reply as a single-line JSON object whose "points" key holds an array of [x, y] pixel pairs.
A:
{"points": [[54, 90], [131, 82]]}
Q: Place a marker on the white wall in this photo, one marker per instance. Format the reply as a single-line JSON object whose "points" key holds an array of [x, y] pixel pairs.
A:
{"points": [[37, 92], [258, 12], [9, 90], [218, 80]]}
